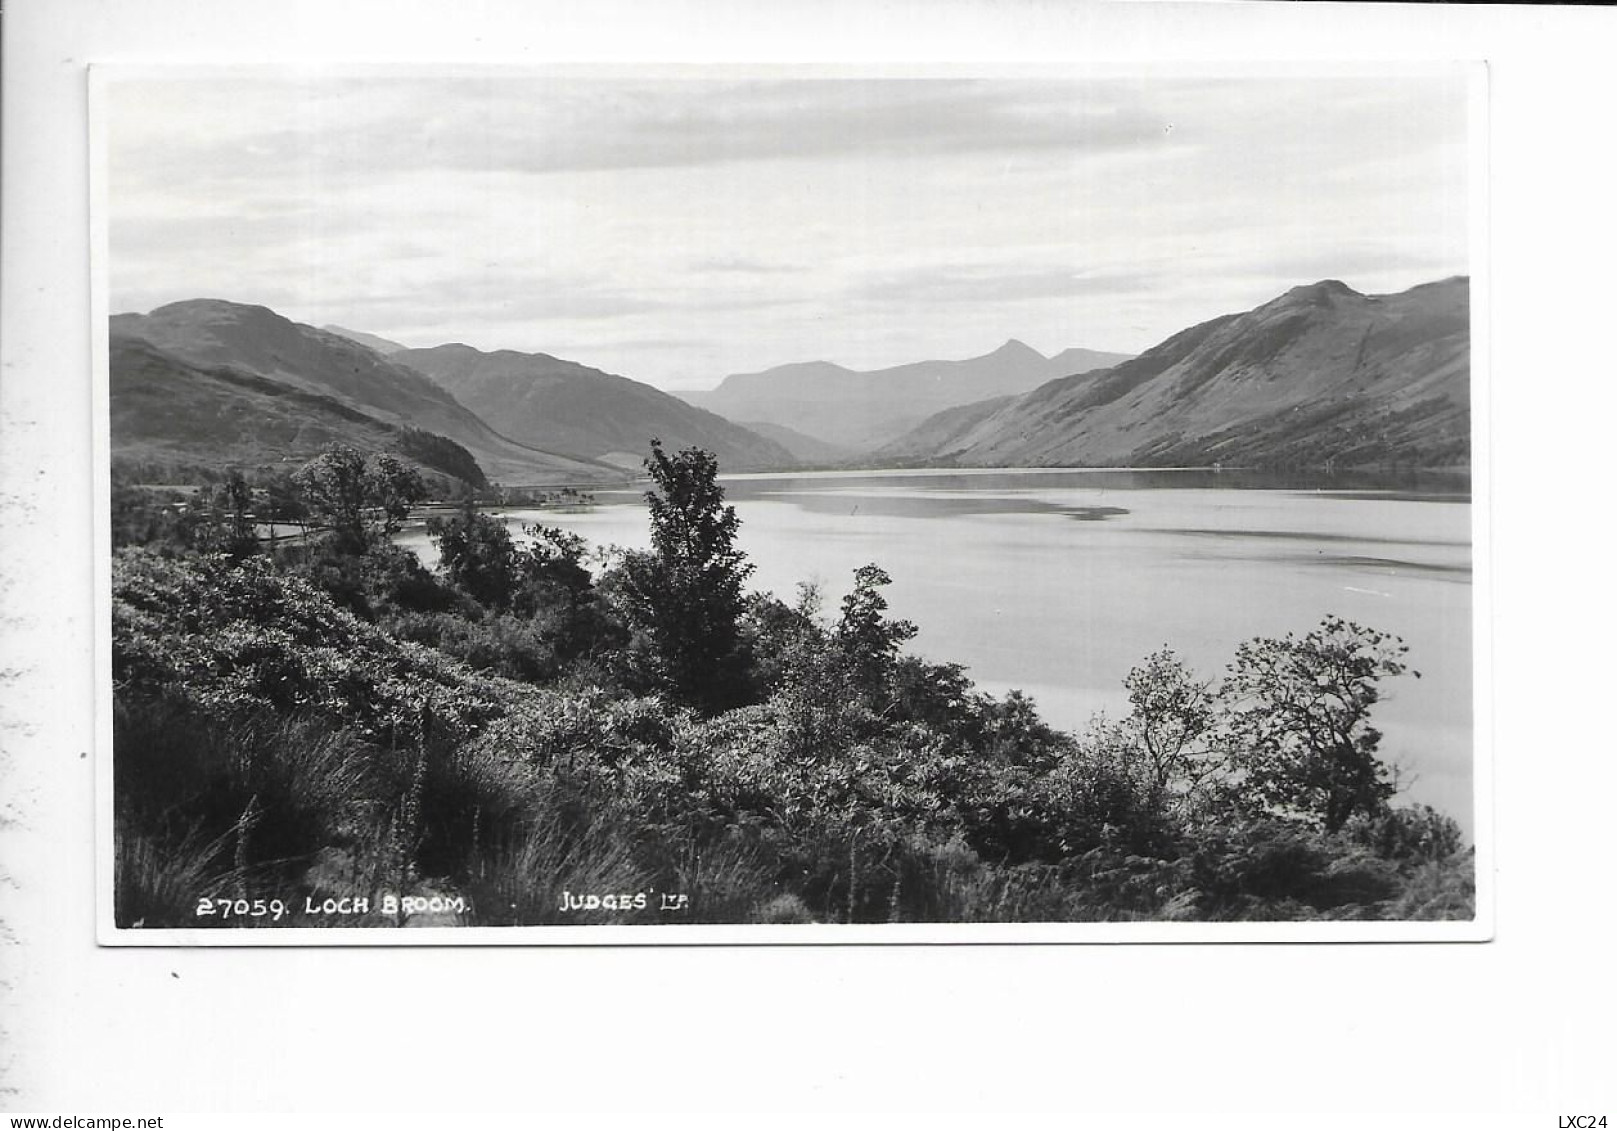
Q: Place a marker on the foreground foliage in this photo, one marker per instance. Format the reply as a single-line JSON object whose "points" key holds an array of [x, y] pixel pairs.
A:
{"points": [[514, 735]]}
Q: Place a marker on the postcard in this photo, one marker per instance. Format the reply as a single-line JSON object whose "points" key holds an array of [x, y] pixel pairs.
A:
{"points": [[722, 504]]}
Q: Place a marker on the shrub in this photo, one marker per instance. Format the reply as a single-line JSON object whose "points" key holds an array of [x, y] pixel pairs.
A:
{"points": [[335, 718], [1438, 889], [1280, 869], [1416, 833], [230, 636], [506, 646], [477, 555]]}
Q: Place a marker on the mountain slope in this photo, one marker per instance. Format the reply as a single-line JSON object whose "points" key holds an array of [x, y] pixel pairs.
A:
{"points": [[170, 419], [863, 409], [805, 449], [1322, 374], [212, 333], [944, 432], [383, 346], [564, 406]]}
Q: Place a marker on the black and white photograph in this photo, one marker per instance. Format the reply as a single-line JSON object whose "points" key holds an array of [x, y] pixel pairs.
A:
{"points": [[987, 558], [817, 503]]}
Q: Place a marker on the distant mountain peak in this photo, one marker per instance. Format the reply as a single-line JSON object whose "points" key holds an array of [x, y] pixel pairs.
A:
{"points": [[1319, 376], [1318, 294], [215, 308], [1015, 346], [861, 409]]}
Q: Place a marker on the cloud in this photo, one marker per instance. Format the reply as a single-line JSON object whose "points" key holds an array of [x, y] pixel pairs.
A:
{"points": [[1351, 261], [873, 220], [514, 295], [740, 265], [980, 285], [334, 128]]}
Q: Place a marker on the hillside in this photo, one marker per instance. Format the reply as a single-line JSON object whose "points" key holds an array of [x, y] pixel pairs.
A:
{"points": [[1321, 375], [170, 420], [561, 405], [862, 410], [806, 449], [946, 431], [211, 334]]}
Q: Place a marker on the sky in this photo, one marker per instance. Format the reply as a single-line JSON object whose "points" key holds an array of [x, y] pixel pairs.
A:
{"points": [[679, 227]]}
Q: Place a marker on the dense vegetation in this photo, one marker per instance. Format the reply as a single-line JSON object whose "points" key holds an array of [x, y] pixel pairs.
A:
{"points": [[538, 724]]}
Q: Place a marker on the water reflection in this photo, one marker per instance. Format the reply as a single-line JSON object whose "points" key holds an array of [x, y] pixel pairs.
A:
{"points": [[1450, 486]]}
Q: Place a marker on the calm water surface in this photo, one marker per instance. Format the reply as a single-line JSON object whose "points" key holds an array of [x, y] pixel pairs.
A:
{"points": [[1058, 582]]}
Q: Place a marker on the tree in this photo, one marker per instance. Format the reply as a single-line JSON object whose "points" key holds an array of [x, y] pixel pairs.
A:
{"points": [[1171, 714], [550, 569], [334, 486], [685, 593], [866, 639], [1297, 728], [359, 499], [558, 595], [779, 635], [285, 499], [217, 519], [440, 453], [477, 554], [395, 487], [236, 497]]}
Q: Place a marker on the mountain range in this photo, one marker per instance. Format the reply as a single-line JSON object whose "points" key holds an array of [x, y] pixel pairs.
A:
{"points": [[191, 378], [1322, 375], [563, 406], [170, 418], [862, 409]]}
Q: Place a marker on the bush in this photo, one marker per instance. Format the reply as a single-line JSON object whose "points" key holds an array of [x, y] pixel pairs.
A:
{"points": [[477, 555], [506, 646], [1417, 834], [335, 719], [1438, 889], [233, 636], [378, 582], [1271, 869]]}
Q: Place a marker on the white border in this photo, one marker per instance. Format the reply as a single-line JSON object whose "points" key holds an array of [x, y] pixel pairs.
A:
{"points": [[1520, 1028], [1478, 929], [101, 534], [1482, 574]]}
